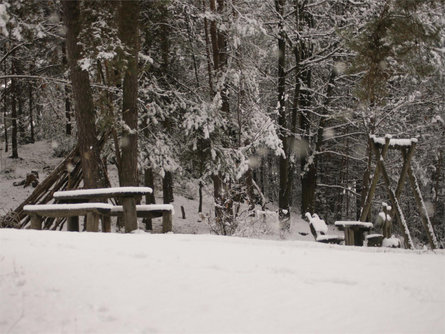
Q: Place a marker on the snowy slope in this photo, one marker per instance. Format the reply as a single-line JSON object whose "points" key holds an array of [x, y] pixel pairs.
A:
{"points": [[61, 282]]}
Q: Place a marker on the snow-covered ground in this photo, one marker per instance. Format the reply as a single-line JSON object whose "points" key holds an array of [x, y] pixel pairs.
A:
{"points": [[192, 282], [65, 282]]}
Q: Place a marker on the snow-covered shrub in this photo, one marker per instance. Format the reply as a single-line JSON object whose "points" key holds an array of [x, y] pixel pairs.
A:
{"points": [[62, 146]]}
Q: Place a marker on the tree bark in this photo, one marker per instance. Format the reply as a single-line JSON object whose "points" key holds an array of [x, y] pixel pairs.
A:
{"points": [[167, 187], [129, 35], [283, 197], [14, 144], [68, 127], [5, 112], [83, 100], [31, 114]]}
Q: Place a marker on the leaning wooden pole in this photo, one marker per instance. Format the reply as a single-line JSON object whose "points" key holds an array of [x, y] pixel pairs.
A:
{"points": [[422, 209], [399, 214], [375, 180]]}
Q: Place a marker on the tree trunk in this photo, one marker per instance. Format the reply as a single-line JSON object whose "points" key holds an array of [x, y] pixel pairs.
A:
{"points": [[283, 197], [31, 114], [167, 187], [5, 112], [83, 100], [129, 35], [15, 154]]}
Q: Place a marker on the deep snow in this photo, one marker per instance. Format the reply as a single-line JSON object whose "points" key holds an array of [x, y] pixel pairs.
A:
{"points": [[60, 282], [66, 282]]}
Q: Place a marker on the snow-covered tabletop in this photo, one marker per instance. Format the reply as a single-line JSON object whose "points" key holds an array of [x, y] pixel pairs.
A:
{"points": [[102, 192], [353, 223]]}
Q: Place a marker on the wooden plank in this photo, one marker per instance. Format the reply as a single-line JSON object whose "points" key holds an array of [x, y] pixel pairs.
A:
{"points": [[375, 179], [56, 213]]}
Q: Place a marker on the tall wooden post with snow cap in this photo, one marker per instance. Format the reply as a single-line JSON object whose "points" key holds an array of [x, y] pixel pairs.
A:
{"points": [[380, 148]]}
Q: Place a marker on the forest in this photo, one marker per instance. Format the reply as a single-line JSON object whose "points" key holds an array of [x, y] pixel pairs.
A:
{"points": [[271, 104]]}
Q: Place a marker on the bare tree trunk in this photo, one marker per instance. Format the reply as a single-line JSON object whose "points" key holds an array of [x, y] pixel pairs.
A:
{"points": [[5, 112], [283, 198], [68, 127], [31, 114], [83, 100], [129, 35], [14, 144]]}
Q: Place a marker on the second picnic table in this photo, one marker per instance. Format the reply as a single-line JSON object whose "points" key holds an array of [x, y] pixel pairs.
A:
{"points": [[354, 231], [127, 195]]}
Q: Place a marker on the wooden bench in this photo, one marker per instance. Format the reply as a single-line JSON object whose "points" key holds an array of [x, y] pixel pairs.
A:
{"points": [[150, 211], [92, 210], [75, 203], [319, 230], [128, 196]]}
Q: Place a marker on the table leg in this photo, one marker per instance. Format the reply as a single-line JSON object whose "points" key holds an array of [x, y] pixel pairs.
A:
{"points": [[349, 237], [129, 214], [167, 224]]}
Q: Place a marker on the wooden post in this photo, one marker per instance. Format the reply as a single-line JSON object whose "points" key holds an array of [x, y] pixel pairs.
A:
{"points": [[167, 223], [92, 222], [375, 179], [129, 214], [183, 212], [399, 214], [36, 222], [106, 223], [349, 236]]}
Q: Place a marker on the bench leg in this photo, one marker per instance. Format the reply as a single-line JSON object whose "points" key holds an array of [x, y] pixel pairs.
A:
{"points": [[129, 214], [36, 222], [92, 222], [73, 224], [358, 237], [106, 223], [167, 224]]}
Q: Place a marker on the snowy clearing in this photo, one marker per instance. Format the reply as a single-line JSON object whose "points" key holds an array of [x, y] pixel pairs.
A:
{"points": [[61, 282]]}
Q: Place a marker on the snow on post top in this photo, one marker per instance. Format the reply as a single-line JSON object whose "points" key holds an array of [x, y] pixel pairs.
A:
{"points": [[394, 143], [103, 192]]}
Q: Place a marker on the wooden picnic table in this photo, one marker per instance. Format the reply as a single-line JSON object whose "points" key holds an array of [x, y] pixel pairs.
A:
{"points": [[127, 195], [354, 231]]}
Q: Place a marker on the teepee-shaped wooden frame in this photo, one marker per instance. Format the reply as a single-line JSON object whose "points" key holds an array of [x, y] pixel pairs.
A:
{"points": [[380, 148]]}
